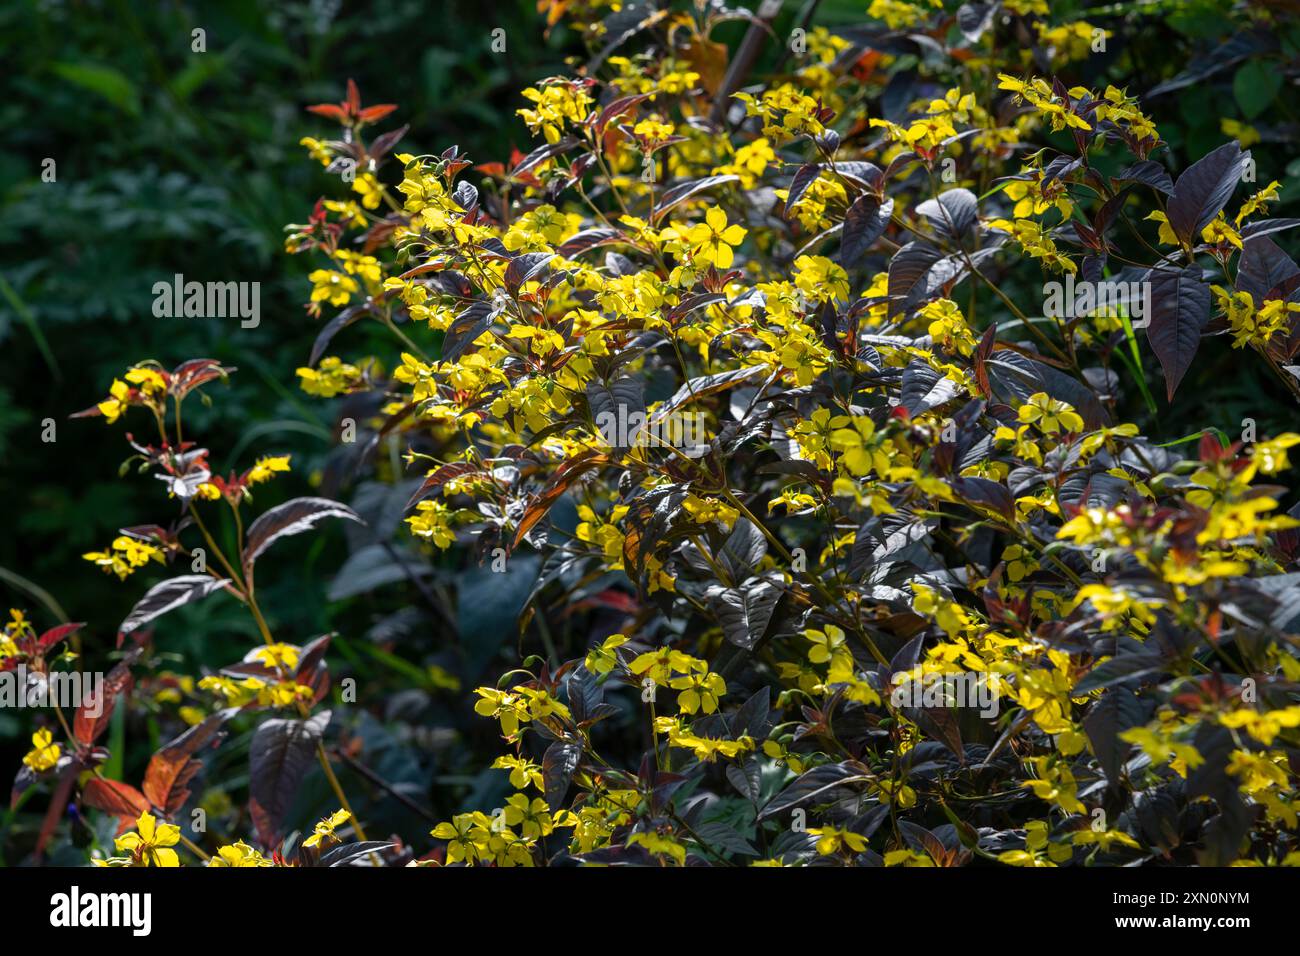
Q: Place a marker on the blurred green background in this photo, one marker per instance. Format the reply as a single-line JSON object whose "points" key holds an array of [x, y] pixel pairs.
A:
{"points": [[173, 161]]}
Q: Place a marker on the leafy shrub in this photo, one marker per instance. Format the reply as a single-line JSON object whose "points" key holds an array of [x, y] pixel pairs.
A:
{"points": [[836, 551]]}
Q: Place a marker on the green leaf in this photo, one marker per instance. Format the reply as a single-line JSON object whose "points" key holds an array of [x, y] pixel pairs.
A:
{"points": [[1256, 85], [109, 83]]}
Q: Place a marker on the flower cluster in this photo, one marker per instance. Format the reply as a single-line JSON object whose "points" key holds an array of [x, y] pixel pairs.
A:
{"points": [[907, 476], [910, 481]]}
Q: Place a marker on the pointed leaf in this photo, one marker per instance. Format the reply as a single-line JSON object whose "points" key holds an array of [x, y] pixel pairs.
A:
{"points": [[1203, 189], [1116, 711], [171, 769], [167, 596], [280, 754], [558, 765], [864, 223], [1180, 309], [744, 612], [113, 796], [96, 710], [292, 517]]}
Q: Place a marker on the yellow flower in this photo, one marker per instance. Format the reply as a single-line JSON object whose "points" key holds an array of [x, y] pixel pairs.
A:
{"points": [[660, 845], [699, 692], [785, 111], [266, 468], [653, 130], [750, 162], [925, 135], [1033, 197], [662, 662], [832, 840], [852, 438], [523, 772], [1159, 744], [1039, 94], [1049, 415], [1218, 232], [368, 186], [1036, 242], [1069, 41], [44, 753], [117, 402], [1167, 236], [238, 855], [468, 835], [948, 326], [1055, 784], [317, 150], [897, 14], [712, 240], [1104, 839], [779, 752], [812, 209], [143, 386], [821, 279], [557, 104], [906, 858], [1243, 133], [325, 828], [1270, 457], [282, 656], [1263, 726], [149, 845], [603, 658], [1036, 841], [332, 287], [331, 377], [125, 555], [532, 817], [1257, 202], [433, 523], [824, 643], [509, 708], [706, 510], [1250, 326]]}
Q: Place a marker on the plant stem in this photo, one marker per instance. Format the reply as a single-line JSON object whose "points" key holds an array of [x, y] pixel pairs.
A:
{"points": [[338, 788]]}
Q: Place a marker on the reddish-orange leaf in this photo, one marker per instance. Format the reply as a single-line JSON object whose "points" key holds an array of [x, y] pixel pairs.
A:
{"points": [[327, 109], [372, 114], [564, 476], [94, 713], [115, 797]]}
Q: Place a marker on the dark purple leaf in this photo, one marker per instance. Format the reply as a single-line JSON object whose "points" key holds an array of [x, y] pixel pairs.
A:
{"points": [[280, 754], [683, 191], [558, 765], [1180, 309], [1203, 190], [1265, 269], [864, 223], [167, 596], [292, 517]]}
